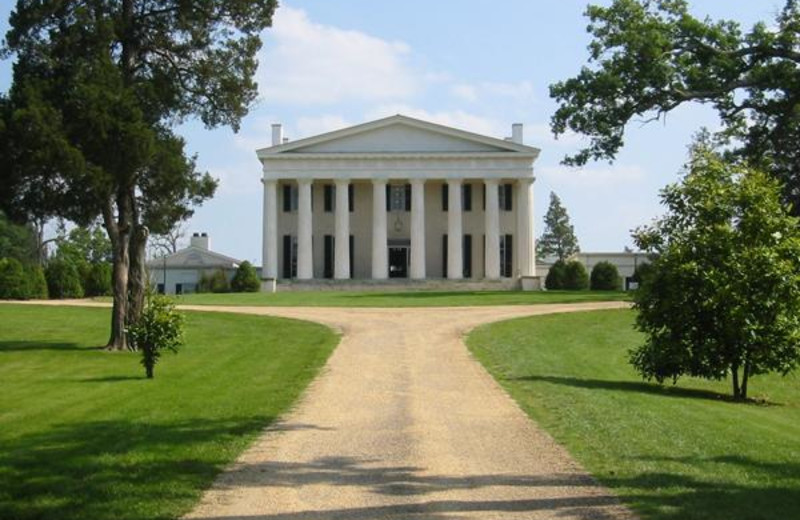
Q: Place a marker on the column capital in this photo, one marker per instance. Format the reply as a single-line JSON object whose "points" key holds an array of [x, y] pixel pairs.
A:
{"points": [[267, 181], [341, 182], [527, 181], [491, 182], [304, 182], [417, 181], [379, 182], [455, 182]]}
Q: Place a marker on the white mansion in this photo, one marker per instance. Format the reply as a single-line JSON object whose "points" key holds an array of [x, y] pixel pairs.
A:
{"points": [[398, 198]]}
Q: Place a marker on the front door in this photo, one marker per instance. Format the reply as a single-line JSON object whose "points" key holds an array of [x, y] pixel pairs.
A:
{"points": [[398, 262]]}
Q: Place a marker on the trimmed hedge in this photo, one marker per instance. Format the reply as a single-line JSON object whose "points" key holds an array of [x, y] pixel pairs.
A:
{"points": [[605, 277], [575, 276], [245, 279], [555, 276], [63, 279]]}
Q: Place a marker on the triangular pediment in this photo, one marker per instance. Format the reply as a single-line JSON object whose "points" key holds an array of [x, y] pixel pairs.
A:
{"points": [[195, 257], [397, 134]]}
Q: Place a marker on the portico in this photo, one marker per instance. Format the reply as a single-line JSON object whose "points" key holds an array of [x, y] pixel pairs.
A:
{"points": [[398, 198]]}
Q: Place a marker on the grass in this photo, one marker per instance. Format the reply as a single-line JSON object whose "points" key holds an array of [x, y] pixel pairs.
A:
{"points": [[84, 436], [399, 299], [684, 452]]}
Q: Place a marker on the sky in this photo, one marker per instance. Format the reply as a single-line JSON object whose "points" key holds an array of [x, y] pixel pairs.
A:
{"points": [[477, 65]]}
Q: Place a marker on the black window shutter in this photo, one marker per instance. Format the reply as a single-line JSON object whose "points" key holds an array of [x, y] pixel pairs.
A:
{"points": [[287, 198], [445, 194], [444, 256], [352, 255], [509, 193], [467, 256], [287, 255], [350, 198], [466, 200], [484, 197], [408, 197], [328, 198], [509, 253], [327, 267], [388, 197]]}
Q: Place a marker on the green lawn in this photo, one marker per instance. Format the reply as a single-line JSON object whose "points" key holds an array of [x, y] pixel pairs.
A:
{"points": [[84, 436], [683, 452], [399, 299]]}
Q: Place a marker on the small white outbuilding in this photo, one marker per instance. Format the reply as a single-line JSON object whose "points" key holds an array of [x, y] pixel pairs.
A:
{"points": [[180, 272]]}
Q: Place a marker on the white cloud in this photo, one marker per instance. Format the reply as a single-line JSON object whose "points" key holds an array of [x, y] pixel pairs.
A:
{"points": [[308, 63], [308, 126], [455, 118], [521, 92], [465, 92]]}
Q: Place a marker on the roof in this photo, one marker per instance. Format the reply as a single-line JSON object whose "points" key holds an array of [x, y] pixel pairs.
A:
{"points": [[347, 140], [194, 257]]}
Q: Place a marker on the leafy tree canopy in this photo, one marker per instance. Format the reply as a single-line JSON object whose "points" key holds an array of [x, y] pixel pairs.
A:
{"points": [[559, 236], [722, 295], [648, 57]]}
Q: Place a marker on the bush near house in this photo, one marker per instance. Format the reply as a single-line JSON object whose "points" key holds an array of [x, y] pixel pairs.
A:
{"points": [[216, 282], [555, 276], [36, 282], [13, 284], [63, 279], [605, 277], [575, 276], [245, 279]]}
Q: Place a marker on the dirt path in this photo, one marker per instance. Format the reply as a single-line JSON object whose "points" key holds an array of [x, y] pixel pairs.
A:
{"points": [[404, 423]]}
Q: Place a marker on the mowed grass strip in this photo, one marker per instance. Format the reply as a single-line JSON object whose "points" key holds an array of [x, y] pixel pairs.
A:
{"points": [[400, 299], [673, 452], [84, 435]]}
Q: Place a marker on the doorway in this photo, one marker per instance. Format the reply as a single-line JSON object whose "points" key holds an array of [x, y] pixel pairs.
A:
{"points": [[398, 261]]}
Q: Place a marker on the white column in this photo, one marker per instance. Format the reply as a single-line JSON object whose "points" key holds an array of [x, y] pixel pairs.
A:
{"points": [[492, 228], [526, 254], [269, 251], [455, 260], [341, 269], [417, 229], [305, 258], [380, 250]]}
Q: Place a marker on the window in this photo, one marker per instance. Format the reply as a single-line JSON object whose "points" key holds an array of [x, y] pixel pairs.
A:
{"points": [[328, 245], [466, 248], [445, 195], [289, 193], [160, 288], [444, 255], [466, 197], [505, 193], [328, 197], [352, 256], [289, 256], [399, 197], [350, 198], [506, 255]]}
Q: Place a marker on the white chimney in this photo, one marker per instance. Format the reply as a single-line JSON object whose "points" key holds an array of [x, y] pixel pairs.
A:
{"points": [[516, 133], [200, 241], [277, 134]]}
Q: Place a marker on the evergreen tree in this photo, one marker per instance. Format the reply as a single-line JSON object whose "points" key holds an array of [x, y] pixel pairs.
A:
{"points": [[559, 236]]}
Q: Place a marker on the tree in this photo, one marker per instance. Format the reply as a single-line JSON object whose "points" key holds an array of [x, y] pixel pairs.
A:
{"points": [[13, 285], [649, 57], [722, 296], [245, 279], [575, 276], [559, 236], [84, 245], [159, 328], [86, 127], [63, 279], [554, 280], [17, 241], [605, 277]]}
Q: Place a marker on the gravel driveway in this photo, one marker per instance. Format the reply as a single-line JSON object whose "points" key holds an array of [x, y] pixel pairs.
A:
{"points": [[404, 423]]}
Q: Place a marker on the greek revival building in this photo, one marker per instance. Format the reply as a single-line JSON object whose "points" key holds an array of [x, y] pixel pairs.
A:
{"points": [[398, 198]]}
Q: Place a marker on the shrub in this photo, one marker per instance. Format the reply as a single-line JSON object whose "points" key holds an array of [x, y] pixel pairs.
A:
{"points": [[605, 277], [36, 282], [159, 328], [555, 276], [97, 279], [245, 279], [13, 284], [216, 282], [642, 272], [63, 280], [575, 276]]}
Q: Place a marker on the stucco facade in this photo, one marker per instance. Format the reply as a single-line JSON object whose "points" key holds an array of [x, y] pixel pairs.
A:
{"points": [[398, 198]]}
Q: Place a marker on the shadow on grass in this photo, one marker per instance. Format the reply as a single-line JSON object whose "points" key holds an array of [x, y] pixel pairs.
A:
{"points": [[112, 379], [115, 469], [21, 346], [629, 386]]}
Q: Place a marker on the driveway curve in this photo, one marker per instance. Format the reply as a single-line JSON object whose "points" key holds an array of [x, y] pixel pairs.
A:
{"points": [[404, 423]]}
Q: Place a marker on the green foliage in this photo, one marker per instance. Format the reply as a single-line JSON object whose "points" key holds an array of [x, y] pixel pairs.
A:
{"points": [[97, 279], [215, 282], [605, 277], [17, 241], [160, 328], [559, 236], [13, 284], [63, 279], [723, 297], [245, 279], [84, 245], [642, 271], [36, 282], [575, 276], [648, 57], [556, 276]]}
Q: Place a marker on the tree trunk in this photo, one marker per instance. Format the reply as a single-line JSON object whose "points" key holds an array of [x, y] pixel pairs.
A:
{"points": [[119, 234], [745, 377], [137, 273], [735, 378]]}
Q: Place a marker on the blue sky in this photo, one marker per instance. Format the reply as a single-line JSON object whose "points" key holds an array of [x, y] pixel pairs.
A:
{"points": [[473, 64]]}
